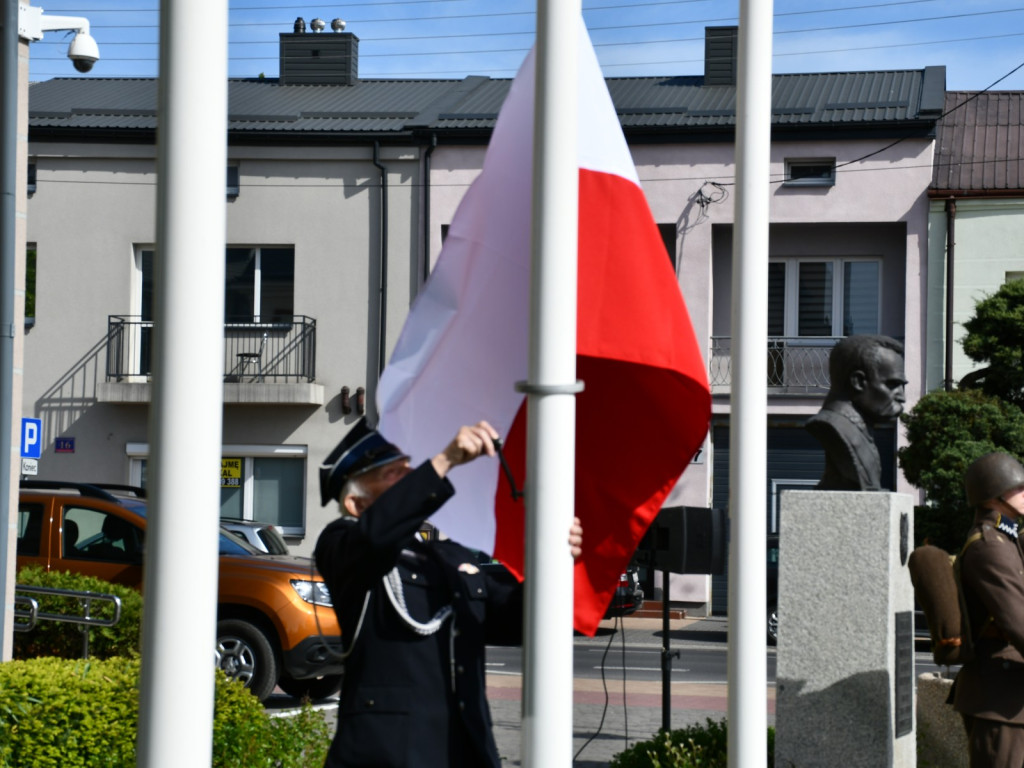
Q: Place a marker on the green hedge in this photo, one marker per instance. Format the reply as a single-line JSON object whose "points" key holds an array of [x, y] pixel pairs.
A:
{"points": [[60, 713], [697, 746], [52, 638]]}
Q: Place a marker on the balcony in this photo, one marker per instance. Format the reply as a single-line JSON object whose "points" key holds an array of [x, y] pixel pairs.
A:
{"points": [[796, 365], [269, 363]]}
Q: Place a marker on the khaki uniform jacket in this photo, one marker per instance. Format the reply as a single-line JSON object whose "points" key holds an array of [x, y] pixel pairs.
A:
{"points": [[992, 573], [412, 700]]}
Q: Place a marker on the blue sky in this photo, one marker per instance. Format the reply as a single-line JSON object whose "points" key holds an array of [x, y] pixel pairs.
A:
{"points": [[979, 41]]}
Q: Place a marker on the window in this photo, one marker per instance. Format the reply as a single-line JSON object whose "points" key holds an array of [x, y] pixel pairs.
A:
{"points": [[259, 285], [233, 183], [30, 529], [30, 285], [89, 534], [275, 486], [823, 297], [811, 172], [258, 482], [31, 179], [668, 237]]}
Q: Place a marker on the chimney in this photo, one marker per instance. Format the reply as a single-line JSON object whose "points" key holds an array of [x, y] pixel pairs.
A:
{"points": [[318, 57], [720, 51]]}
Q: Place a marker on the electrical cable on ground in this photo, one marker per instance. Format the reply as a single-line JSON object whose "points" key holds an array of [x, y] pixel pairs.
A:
{"points": [[616, 628]]}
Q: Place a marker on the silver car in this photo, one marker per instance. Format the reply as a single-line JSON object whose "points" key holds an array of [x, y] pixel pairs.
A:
{"points": [[264, 536]]}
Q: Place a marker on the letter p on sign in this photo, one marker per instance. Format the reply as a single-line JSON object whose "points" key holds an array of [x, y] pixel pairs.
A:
{"points": [[31, 438]]}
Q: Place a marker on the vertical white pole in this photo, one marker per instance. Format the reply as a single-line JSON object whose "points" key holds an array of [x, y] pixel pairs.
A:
{"points": [[747, 666], [179, 620], [551, 407]]}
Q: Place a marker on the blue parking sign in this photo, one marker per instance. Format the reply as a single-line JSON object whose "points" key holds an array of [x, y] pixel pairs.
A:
{"points": [[31, 438]]}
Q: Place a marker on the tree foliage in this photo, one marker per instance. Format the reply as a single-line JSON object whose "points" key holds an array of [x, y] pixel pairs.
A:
{"points": [[995, 335], [946, 431]]}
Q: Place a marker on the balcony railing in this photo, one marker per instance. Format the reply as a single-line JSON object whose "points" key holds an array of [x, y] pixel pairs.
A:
{"points": [[280, 352], [796, 365]]}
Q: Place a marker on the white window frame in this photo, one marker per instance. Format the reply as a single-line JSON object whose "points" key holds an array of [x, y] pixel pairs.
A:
{"points": [[791, 295], [808, 162], [139, 452]]}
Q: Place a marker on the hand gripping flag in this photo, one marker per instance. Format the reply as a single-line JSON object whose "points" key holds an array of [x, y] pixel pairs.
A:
{"points": [[646, 404]]}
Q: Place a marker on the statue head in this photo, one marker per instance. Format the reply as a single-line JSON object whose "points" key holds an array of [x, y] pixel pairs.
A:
{"points": [[867, 370]]}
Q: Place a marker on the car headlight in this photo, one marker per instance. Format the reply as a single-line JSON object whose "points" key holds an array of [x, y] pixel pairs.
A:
{"points": [[312, 591]]}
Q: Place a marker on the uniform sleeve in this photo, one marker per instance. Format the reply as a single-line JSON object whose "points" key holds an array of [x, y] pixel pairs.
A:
{"points": [[992, 569], [362, 551]]}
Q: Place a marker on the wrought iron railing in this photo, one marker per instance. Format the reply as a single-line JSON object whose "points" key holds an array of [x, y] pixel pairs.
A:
{"points": [[280, 351], [796, 364]]}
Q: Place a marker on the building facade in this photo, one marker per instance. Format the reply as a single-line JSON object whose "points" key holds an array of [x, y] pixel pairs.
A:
{"points": [[338, 193]]}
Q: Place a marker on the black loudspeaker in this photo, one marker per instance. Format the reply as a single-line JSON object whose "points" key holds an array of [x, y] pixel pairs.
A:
{"points": [[686, 540]]}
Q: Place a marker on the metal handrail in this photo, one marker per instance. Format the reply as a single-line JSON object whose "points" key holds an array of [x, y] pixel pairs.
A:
{"points": [[30, 615], [796, 364], [85, 600], [278, 350]]}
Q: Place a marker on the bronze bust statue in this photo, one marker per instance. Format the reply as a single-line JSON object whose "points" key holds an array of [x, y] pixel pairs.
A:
{"points": [[867, 388]]}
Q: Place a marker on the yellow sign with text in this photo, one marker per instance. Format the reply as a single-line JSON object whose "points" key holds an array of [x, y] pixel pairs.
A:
{"points": [[230, 473]]}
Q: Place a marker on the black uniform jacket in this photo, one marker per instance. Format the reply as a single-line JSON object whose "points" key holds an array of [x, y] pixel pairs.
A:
{"points": [[410, 699], [992, 572]]}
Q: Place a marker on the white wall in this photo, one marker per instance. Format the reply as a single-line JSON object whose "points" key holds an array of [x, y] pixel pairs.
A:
{"points": [[988, 234], [94, 203]]}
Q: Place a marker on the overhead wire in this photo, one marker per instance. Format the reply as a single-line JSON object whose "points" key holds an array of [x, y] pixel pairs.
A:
{"points": [[370, 41]]}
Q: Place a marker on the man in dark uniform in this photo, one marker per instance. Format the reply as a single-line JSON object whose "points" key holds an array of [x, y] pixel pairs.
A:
{"points": [[867, 388], [989, 690], [415, 615]]}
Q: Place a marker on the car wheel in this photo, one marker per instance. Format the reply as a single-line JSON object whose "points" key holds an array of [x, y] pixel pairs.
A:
{"points": [[245, 654], [773, 624], [314, 687]]}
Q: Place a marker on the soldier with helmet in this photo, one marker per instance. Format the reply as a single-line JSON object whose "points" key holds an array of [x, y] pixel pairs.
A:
{"points": [[989, 690]]}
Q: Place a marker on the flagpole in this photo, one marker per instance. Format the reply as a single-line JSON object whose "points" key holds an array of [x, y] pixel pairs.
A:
{"points": [[747, 665], [179, 619], [550, 390]]}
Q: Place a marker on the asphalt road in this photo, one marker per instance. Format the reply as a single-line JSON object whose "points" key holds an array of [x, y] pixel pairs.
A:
{"points": [[617, 693]]}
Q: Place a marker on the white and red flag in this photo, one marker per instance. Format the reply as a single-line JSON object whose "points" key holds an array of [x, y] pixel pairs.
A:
{"points": [[646, 403]]}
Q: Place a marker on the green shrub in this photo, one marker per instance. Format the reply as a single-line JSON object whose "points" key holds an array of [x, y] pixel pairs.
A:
{"points": [[697, 746], [54, 638], [58, 712], [84, 714]]}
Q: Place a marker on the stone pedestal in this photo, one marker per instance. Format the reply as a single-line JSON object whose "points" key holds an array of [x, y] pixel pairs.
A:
{"points": [[845, 675]]}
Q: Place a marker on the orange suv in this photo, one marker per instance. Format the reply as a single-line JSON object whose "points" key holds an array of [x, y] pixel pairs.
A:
{"points": [[267, 630]]}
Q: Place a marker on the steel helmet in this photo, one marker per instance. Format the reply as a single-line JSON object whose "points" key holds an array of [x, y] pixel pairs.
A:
{"points": [[991, 476]]}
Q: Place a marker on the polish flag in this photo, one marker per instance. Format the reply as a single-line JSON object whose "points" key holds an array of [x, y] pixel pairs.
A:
{"points": [[646, 405]]}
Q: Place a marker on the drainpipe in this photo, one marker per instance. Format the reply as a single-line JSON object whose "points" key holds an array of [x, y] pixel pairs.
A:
{"points": [[426, 206], [950, 250], [382, 288]]}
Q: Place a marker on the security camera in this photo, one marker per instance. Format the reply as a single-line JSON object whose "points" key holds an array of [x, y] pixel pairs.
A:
{"points": [[83, 51]]}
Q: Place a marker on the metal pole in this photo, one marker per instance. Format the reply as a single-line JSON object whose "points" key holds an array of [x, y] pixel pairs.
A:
{"points": [[551, 406], [950, 292], [747, 665], [666, 658], [8, 247], [179, 622]]}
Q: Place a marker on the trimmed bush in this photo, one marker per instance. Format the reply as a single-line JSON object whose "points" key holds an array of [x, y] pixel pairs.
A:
{"points": [[697, 746], [53, 638], [60, 713]]}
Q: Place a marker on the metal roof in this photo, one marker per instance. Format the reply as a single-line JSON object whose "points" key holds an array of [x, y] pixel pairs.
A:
{"points": [[979, 147], [855, 100]]}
